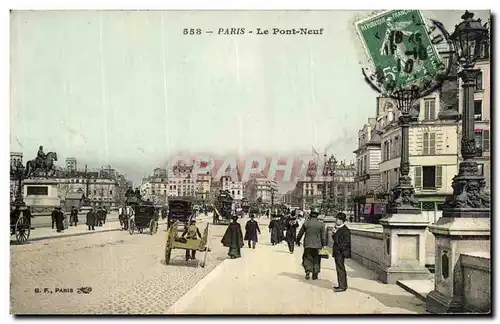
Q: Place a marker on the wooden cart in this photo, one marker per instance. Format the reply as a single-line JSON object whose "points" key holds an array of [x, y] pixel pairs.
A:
{"points": [[174, 241]]}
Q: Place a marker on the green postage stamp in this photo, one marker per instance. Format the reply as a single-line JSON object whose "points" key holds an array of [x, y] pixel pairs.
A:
{"points": [[398, 45]]}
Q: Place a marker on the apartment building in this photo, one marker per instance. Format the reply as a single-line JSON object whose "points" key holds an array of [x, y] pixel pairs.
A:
{"points": [[259, 186], [369, 198]]}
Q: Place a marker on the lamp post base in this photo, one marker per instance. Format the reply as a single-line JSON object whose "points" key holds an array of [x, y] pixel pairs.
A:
{"points": [[455, 236]]}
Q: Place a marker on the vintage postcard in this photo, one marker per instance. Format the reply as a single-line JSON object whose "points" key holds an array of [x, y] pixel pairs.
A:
{"points": [[248, 162]]}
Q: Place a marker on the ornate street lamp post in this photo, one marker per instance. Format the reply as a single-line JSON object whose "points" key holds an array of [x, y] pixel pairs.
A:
{"points": [[469, 197], [402, 200], [332, 165], [465, 225]]}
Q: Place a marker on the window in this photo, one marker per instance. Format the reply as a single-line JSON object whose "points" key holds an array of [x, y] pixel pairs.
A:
{"points": [[366, 162], [430, 109], [479, 81], [478, 110], [479, 139], [111, 192], [95, 192], [153, 192], [428, 177], [429, 144], [238, 192], [486, 139], [232, 192]]}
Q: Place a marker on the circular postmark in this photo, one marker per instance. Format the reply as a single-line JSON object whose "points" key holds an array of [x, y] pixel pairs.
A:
{"points": [[403, 50]]}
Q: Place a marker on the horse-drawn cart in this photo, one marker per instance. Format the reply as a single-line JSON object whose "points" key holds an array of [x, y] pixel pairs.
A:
{"points": [[174, 241], [144, 217], [222, 208], [20, 224]]}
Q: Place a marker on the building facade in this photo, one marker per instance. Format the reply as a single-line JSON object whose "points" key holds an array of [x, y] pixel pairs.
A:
{"points": [[309, 193], [234, 186], [259, 186], [433, 152], [369, 199]]}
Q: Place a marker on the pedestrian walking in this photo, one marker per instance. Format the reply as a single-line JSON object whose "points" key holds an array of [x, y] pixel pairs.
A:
{"points": [[91, 219], [274, 230], [105, 214], [27, 213], [291, 232], [341, 251], [233, 239], [100, 216], [73, 216], [54, 217], [251, 230], [59, 216], [313, 231]]}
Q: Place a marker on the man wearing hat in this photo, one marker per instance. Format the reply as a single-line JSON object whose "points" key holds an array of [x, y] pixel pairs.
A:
{"points": [[274, 229], [314, 240], [291, 232], [341, 251], [59, 218], [192, 232], [233, 239], [251, 230]]}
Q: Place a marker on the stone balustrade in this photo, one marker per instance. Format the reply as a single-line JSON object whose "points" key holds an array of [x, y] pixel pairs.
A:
{"points": [[476, 281]]}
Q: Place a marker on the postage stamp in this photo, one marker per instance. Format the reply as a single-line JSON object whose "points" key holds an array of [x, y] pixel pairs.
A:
{"points": [[398, 44]]}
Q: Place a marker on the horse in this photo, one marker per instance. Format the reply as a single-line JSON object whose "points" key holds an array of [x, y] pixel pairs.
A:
{"points": [[48, 165], [124, 214]]}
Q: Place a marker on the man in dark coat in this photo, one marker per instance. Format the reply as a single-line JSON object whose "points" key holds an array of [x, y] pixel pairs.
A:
{"points": [[291, 232], [233, 239], [105, 214], [341, 251], [274, 229], [251, 230], [100, 216], [91, 219], [59, 216], [282, 227], [74, 216], [314, 240], [54, 217]]}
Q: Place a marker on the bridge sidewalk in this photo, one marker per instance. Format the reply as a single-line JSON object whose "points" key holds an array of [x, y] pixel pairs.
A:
{"points": [[270, 280]]}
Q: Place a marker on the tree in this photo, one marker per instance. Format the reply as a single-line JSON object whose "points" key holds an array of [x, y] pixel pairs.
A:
{"points": [[62, 190]]}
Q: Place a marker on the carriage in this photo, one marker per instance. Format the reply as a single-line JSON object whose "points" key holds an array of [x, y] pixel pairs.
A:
{"points": [[144, 216], [174, 241], [179, 210], [222, 208], [20, 224]]}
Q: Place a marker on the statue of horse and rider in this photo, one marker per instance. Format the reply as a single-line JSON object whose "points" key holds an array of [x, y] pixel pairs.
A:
{"points": [[43, 162]]}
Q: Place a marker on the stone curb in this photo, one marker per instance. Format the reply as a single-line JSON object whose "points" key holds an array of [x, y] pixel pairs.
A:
{"points": [[183, 303], [411, 291]]}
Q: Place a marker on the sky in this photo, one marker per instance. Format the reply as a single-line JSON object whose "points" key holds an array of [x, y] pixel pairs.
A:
{"points": [[129, 89]]}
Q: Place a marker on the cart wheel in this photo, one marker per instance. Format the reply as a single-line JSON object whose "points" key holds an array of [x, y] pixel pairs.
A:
{"points": [[22, 230], [168, 251], [131, 227]]}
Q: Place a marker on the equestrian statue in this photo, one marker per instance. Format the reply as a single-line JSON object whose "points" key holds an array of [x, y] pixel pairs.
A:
{"points": [[42, 163]]}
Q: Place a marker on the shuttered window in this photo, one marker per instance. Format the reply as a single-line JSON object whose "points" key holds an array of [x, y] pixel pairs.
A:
{"points": [[486, 140], [429, 143], [430, 109], [418, 177], [439, 176]]}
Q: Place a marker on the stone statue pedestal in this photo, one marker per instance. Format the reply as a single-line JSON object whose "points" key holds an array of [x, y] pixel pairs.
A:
{"points": [[454, 236], [404, 247], [41, 195]]}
